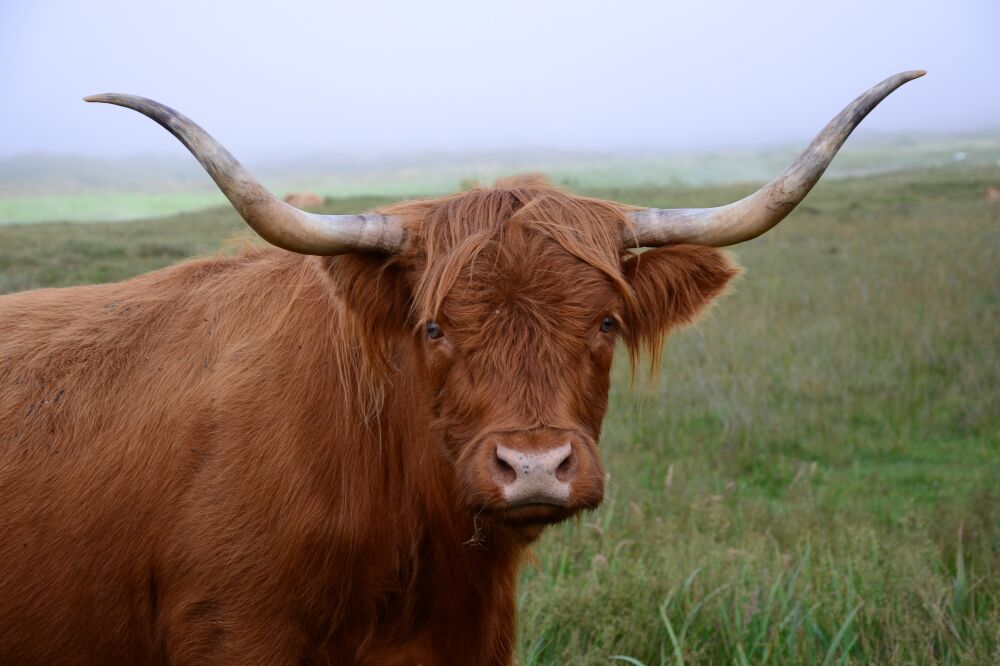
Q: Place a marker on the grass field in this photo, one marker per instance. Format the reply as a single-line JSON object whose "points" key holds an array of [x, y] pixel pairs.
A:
{"points": [[813, 477]]}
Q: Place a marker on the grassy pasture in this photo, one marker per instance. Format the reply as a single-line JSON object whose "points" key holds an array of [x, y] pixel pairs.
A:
{"points": [[812, 477]]}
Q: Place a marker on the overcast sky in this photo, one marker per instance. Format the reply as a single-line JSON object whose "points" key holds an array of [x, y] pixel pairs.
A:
{"points": [[408, 76]]}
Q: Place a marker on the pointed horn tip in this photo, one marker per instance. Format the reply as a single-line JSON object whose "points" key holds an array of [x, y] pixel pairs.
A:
{"points": [[915, 74], [103, 97]]}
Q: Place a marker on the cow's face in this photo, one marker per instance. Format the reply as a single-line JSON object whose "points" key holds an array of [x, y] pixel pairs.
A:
{"points": [[517, 361], [514, 317]]}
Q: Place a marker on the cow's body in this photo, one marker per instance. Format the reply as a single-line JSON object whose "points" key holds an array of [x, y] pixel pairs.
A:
{"points": [[186, 472]]}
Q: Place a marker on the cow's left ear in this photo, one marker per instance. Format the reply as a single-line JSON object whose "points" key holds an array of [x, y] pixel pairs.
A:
{"points": [[672, 286]]}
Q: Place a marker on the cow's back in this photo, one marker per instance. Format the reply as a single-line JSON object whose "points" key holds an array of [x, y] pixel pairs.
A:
{"points": [[104, 392]]}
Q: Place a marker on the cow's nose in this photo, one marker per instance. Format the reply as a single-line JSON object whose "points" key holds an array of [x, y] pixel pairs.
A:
{"points": [[529, 477]]}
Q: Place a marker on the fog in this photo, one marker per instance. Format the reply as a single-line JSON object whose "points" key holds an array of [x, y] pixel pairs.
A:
{"points": [[380, 78]]}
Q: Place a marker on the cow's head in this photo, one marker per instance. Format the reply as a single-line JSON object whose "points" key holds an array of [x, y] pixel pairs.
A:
{"points": [[510, 301], [513, 299]]}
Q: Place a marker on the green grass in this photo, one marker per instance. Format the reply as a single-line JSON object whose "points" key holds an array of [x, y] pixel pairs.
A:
{"points": [[813, 477]]}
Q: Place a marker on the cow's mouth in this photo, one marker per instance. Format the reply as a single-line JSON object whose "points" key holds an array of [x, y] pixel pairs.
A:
{"points": [[531, 514]]}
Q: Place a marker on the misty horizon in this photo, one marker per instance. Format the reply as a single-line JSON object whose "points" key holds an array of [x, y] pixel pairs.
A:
{"points": [[179, 156]]}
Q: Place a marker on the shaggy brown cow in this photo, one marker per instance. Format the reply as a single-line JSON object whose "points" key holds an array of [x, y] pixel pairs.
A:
{"points": [[281, 458]]}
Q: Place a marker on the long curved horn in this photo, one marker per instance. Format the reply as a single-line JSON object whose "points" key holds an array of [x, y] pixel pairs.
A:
{"points": [[276, 221], [751, 216]]}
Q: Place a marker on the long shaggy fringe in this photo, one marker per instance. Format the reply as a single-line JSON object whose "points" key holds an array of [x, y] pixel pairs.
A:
{"points": [[455, 230]]}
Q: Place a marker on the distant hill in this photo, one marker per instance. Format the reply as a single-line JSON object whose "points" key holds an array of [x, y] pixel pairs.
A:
{"points": [[36, 187]]}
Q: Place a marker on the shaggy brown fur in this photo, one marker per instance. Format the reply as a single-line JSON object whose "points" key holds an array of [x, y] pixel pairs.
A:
{"points": [[266, 460]]}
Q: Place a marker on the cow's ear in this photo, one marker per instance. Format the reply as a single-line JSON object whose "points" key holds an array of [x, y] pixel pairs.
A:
{"points": [[375, 291], [672, 285]]}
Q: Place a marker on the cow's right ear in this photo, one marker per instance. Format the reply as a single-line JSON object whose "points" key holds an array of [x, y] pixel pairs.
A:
{"points": [[374, 289]]}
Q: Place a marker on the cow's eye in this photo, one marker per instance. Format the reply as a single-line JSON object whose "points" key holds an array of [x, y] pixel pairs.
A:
{"points": [[607, 324], [433, 330]]}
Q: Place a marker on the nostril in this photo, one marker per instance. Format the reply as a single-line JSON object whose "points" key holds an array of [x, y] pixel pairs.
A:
{"points": [[567, 468], [504, 471]]}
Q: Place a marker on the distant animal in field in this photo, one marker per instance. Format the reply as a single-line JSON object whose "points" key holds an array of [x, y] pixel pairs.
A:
{"points": [[992, 194], [304, 200], [339, 449]]}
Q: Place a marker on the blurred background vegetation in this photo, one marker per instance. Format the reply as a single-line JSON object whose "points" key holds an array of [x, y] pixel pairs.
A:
{"points": [[40, 187]]}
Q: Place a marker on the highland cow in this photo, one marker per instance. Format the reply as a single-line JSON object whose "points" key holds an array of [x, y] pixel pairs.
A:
{"points": [[336, 450]]}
